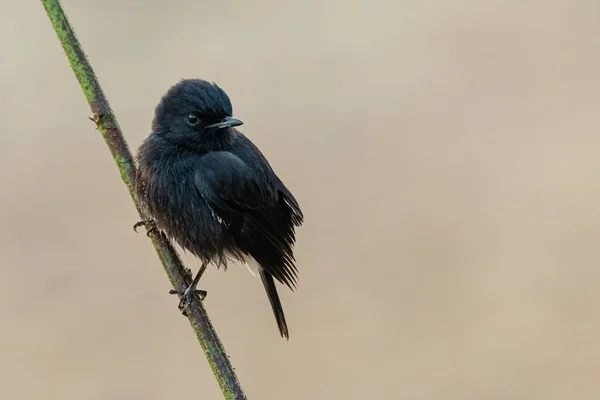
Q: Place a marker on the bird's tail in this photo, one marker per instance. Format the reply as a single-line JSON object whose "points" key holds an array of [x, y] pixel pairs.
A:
{"points": [[269, 284]]}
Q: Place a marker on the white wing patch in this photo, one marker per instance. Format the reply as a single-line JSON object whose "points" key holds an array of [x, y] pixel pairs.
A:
{"points": [[252, 265], [213, 214]]}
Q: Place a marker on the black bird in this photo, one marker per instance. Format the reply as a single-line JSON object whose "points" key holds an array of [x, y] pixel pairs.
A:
{"points": [[210, 189]]}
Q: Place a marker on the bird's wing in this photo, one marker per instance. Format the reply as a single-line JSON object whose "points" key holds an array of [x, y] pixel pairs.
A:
{"points": [[251, 207], [291, 203], [249, 152]]}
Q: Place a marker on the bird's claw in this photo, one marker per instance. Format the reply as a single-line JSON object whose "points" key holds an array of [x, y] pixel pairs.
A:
{"points": [[146, 223], [199, 292], [187, 296]]}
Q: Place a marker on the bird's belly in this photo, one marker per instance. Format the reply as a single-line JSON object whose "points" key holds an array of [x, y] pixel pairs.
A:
{"points": [[197, 229], [179, 211]]}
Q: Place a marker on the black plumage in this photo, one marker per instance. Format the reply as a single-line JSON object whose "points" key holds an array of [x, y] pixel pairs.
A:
{"points": [[210, 189]]}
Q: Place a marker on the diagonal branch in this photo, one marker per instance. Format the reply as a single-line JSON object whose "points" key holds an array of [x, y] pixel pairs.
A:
{"points": [[107, 124]]}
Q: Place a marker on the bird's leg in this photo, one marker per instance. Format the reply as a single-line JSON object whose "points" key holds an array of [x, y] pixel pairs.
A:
{"points": [[149, 223], [188, 294]]}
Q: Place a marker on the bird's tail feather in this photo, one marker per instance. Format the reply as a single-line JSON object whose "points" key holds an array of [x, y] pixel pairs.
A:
{"points": [[269, 284]]}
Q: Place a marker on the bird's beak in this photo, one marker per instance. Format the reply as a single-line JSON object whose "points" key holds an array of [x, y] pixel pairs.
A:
{"points": [[227, 122]]}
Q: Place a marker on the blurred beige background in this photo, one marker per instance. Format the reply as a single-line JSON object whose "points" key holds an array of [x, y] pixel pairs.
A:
{"points": [[446, 155]]}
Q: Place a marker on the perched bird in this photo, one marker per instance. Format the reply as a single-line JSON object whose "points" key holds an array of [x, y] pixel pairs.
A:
{"points": [[211, 190]]}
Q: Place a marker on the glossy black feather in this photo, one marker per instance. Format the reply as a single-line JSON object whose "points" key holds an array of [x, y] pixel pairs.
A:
{"points": [[214, 192]]}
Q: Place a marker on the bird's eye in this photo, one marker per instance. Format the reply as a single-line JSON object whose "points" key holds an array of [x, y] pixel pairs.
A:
{"points": [[192, 120]]}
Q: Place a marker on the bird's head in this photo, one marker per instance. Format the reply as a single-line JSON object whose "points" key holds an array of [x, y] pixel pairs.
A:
{"points": [[194, 113]]}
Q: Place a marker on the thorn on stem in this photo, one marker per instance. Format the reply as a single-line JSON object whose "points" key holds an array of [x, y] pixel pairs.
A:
{"points": [[96, 119]]}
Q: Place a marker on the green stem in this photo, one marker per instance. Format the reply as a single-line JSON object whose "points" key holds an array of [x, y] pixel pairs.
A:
{"points": [[107, 124]]}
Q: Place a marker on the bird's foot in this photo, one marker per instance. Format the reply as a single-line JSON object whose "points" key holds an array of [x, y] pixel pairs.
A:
{"points": [[187, 295], [148, 223]]}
